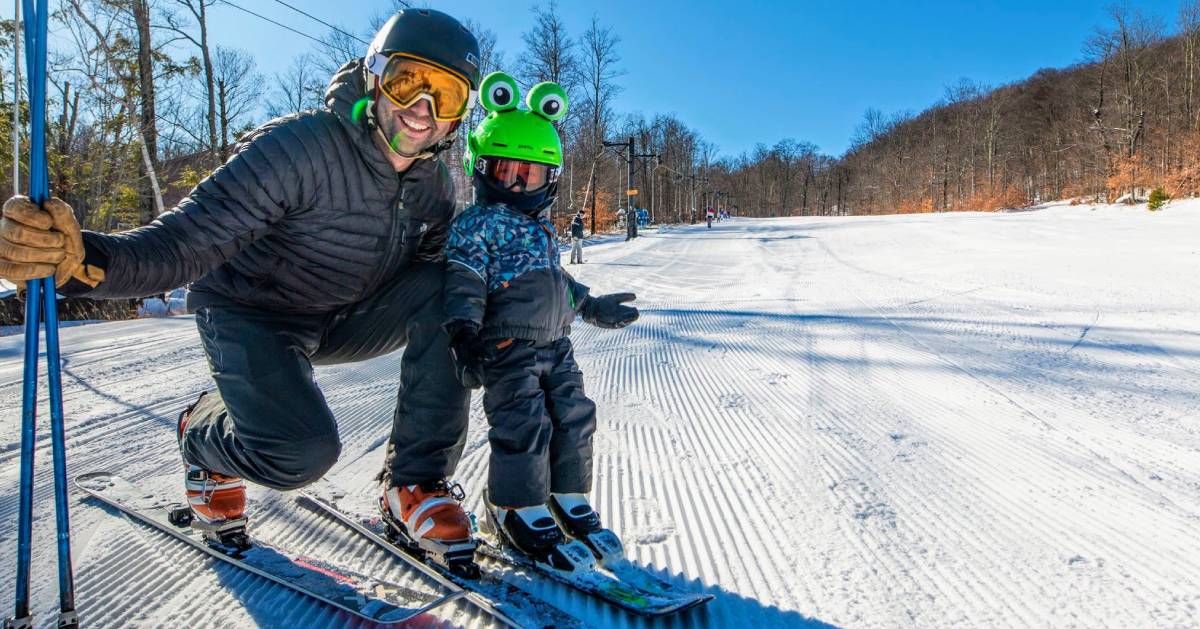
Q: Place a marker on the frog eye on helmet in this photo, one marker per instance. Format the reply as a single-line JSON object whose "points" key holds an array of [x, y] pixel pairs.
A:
{"points": [[499, 92], [548, 100]]}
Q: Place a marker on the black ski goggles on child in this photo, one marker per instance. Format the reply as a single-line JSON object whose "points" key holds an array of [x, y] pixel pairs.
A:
{"points": [[504, 174]]}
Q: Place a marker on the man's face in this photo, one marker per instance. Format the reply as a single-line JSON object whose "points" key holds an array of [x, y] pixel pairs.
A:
{"points": [[412, 130]]}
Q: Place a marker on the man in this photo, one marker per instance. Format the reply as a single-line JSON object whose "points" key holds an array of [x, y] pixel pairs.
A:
{"points": [[318, 242], [577, 238], [631, 225]]}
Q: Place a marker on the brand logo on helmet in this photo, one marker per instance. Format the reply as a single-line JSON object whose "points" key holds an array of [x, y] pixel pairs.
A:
{"points": [[376, 63], [472, 59]]}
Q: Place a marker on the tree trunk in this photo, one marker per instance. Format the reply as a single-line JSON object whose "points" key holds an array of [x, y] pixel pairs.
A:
{"points": [[945, 179], [223, 115], [66, 131], [804, 190], [216, 149], [151, 196], [592, 191]]}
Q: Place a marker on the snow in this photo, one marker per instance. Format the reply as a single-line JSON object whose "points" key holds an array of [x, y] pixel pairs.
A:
{"points": [[174, 304], [986, 420]]}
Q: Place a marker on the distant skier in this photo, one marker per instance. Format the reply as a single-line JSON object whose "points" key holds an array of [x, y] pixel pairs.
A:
{"points": [[631, 225], [577, 238], [708, 215], [510, 306]]}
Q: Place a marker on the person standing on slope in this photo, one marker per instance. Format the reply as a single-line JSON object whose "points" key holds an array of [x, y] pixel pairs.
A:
{"points": [[510, 306], [577, 238], [320, 241]]}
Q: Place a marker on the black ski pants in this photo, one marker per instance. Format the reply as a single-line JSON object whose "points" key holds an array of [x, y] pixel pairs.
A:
{"points": [[541, 424], [268, 422]]}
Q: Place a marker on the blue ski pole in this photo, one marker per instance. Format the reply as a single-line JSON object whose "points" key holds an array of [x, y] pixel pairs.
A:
{"points": [[33, 302], [41, 191], [41, 297]]}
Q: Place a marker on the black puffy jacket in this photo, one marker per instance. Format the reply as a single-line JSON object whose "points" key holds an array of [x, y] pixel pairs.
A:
{"points": [[306, 216]]}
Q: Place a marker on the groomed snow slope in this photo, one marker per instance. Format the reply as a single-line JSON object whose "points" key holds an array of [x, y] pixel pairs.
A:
{"points": [[960, 420]]}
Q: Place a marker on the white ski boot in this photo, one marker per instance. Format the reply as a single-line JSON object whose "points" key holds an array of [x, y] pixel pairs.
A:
{"points": [[577, 517], [533, 532]]}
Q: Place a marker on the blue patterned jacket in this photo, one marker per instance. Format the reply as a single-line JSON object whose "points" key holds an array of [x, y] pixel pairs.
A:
{"points": [[504, 275]]}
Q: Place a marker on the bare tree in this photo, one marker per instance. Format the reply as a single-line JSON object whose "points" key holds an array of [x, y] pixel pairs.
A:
{"points": [[238, 87], [152, 205], [296, 89], [199, 12], [338, 46], [600, 72], [1133, 35], [142, 85], [550, 53], [1189, 32], [874, 125]]}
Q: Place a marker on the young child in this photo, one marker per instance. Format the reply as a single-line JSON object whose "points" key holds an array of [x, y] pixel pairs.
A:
{"points": [[510, 305]]}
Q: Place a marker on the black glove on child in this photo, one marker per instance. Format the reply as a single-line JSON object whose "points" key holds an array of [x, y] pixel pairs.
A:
{"points": [[470, 355], [606, 311]]}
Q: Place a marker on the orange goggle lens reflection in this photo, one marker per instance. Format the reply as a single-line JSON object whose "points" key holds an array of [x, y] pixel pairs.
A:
{"points": [[509, 172], [406, 79]]}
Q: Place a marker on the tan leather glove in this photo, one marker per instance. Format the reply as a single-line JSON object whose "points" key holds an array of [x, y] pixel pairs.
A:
{"points": [[37, 242]]}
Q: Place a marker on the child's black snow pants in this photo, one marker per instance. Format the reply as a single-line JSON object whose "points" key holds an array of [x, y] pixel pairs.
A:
{"points": [[541, 424]]}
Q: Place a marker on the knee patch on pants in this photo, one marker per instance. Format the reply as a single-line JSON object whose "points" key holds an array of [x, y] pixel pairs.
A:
{"points": [[296, 464]]}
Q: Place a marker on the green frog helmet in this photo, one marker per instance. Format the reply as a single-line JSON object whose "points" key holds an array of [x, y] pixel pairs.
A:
{"points": [[513, 156]]}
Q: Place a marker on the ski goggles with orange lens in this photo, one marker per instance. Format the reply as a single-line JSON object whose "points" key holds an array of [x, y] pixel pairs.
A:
{"points": [[506, 173], [405, 79]]}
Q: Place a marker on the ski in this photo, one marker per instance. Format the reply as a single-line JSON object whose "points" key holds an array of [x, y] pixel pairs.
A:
{"points": [[607, 546], [503, 601], [616, 581], [363, 596]]}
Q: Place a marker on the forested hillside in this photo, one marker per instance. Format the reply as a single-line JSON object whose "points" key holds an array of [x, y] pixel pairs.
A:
{"points": [[1125, 118]]}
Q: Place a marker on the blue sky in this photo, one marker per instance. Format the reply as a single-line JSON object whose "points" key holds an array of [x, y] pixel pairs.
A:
{"points": [[756, 71]]}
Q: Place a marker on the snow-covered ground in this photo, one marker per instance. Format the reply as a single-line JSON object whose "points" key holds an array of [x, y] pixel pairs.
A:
{"points": [[985, 420]]}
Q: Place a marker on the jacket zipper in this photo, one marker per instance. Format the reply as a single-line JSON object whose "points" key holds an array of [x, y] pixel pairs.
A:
{"points": [[392, 245], [556, 267]]}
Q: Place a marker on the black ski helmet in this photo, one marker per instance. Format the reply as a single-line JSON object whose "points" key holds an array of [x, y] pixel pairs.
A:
{"points": [[431, 35]]}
